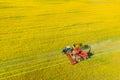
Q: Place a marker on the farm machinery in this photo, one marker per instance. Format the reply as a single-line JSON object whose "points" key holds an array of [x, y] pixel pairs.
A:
{"points": [[77, 53]]}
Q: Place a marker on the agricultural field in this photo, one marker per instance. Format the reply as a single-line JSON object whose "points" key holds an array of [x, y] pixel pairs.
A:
{"points": [[34, 32]]}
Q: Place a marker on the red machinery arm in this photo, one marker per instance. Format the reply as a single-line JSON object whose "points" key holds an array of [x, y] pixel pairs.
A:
{"points": [[71, 59]]}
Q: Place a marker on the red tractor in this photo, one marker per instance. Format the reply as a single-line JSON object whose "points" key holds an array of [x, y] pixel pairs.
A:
{"points": [[77, 54]]}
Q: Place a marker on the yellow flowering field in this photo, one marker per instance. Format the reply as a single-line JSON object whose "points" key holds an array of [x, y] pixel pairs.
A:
{"points": [[33, 33]]}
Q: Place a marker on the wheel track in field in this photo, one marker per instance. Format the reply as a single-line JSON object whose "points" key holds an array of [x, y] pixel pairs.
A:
{"points": [[27, 65], [30, 69], [29, 60], [21, 66]]}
